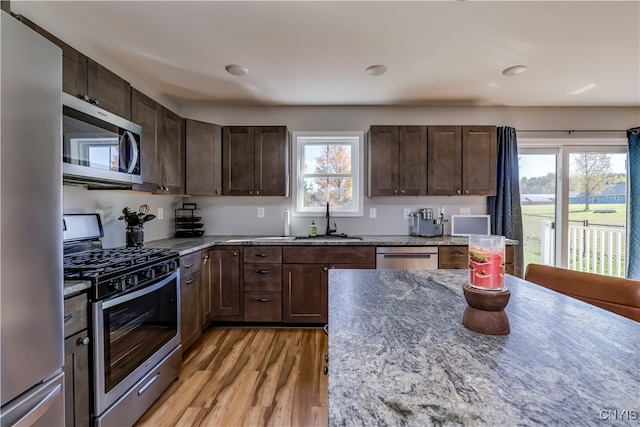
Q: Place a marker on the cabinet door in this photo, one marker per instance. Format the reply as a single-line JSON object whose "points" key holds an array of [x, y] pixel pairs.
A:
{"points": [[412, 160], [76, 380], [203, 158], [146, 112], [479, 147], [206, 302], [108, 90], [444, 160], [190, 312], [383, 160], [305, 293], [271, 145], [238, 161], [171, 152], [226, 292]]}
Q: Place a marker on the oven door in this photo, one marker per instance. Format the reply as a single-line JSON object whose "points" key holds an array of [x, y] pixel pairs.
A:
{"points": [[131, 334]]}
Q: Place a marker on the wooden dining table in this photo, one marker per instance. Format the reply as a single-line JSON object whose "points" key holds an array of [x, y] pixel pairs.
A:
{"points": [[399, 355]]}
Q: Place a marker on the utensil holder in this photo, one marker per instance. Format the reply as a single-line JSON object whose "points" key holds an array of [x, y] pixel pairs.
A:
{"points": [[135, 238]]}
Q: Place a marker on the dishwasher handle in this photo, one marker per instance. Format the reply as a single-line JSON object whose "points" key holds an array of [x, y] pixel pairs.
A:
{"points": [[408, 255]]}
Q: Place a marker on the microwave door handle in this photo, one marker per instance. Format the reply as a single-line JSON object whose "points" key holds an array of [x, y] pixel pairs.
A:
{"points": [[134, 148]]}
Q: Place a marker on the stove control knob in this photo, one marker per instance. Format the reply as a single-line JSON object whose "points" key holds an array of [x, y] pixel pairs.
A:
{"points": [[150, 273], [132, 281], [120, 284]]}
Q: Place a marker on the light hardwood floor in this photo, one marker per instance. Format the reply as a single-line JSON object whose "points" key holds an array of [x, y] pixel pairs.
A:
{"points": [[248, 377]]}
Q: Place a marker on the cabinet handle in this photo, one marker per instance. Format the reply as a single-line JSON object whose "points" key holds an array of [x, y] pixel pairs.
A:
{"points": [[263, 299], [395, 191], [325, 268], [466, 192], [257, 192], [325, 370], [188, 265], [401, 191], [458, 192], [190, 281], [235, 254], [205, 259], [251, 192], [263, 271], [457, 254], [67, 317], [84, 341], [262, 255]]}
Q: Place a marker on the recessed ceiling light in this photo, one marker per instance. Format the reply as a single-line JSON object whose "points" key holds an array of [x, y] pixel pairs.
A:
{"points": [[583, 89], [376, 70], [515, 70], [237, 70]]}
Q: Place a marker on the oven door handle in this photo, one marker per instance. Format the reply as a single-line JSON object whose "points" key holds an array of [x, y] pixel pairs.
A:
{"points": [[137, 294]]}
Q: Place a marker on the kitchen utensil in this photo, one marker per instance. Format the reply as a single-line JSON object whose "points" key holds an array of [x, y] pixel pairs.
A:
{"points": [[144, 209], [148, 217]]}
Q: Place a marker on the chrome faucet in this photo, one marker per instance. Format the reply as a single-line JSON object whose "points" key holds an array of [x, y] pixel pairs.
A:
{"points": [[329, 229]]}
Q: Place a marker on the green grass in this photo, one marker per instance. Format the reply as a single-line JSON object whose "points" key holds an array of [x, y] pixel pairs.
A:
{"points": [[532, 215]]}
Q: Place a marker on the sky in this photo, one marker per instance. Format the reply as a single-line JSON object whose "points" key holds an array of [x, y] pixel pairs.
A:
{"points": [[542, 164]]}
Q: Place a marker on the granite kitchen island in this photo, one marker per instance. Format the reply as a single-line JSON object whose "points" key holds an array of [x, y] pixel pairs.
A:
{"points": [[399, 355]]}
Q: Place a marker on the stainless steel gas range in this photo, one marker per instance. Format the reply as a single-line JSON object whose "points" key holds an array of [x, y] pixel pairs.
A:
{"points": [[135, 319]]}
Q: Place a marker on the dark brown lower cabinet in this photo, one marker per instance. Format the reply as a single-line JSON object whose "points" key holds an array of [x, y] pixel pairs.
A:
{"points": [[263, 306], [305, 289], [190, 309], [457, 257], [76, 380], [226, 289]]}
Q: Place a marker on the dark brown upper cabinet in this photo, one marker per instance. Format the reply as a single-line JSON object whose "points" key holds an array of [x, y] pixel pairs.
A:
{"points": [[203, 158], [146, 112], [462, 160], [162, 145], [171, 152], [397, 160], [255, 161], [88, 80]]}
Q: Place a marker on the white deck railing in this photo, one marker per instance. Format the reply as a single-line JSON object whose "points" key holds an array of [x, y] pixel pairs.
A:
{"points": [[592, 249]]}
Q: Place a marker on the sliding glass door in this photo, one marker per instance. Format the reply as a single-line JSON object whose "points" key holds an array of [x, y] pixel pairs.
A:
{"points": [[574, 208]]}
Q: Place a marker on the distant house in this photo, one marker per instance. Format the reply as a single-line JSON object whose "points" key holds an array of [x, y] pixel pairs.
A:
{"points": [[612, 194]]}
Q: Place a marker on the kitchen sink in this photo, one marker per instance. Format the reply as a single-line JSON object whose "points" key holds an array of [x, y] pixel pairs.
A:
{"points": [[336, 237]]}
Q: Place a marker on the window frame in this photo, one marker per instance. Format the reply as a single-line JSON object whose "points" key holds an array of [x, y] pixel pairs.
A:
{"points": [[357, 172]]}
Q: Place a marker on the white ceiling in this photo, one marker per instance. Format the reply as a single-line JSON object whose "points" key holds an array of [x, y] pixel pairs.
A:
{"points": [[316, 52]]}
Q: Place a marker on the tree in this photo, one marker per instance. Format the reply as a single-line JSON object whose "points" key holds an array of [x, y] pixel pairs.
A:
{"points": [[336, 159], [589, 173]]}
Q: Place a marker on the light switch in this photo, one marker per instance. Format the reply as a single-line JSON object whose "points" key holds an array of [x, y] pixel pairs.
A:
{"points": [[260, 212]]}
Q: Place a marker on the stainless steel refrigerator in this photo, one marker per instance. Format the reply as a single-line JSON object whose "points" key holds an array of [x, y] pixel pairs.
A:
{"points": [[31, 283]]}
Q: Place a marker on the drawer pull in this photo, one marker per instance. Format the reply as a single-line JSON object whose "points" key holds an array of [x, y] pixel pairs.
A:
{"points": [[263, 271], [262, 255], [457, 254], [84, 341], [264, 299], [188, 265], [190, 281], [67, 317]]}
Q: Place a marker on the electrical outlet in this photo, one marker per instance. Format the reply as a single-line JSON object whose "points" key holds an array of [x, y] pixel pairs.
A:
{"points": [[373, 212], [465, 211], [160, 214], [260, 212], [407, 212], [100, 212]]}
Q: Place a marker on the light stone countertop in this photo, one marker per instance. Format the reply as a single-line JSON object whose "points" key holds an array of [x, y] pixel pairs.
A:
{"points": [[192, 244], [75, 286], [399, 355]]}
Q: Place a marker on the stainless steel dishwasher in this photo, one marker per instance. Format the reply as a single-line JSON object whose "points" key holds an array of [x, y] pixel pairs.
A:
{"points": [[407, 257]]}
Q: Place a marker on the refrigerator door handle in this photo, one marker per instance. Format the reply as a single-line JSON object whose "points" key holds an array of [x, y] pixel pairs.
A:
{"points": [[41, 408]]}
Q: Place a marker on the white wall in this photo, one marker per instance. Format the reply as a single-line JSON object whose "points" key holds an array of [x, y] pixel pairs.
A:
{"points": [[238, 215]]}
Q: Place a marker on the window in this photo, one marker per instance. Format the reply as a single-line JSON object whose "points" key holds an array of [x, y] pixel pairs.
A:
{"points": [[328, 169]]}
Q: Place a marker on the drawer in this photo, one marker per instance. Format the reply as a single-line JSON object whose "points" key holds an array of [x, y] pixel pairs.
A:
{"points": [[190, 264], [453, 257], [75, 314], [263, 277], [510, 254], [263, 254], [329, 255], [263, 306]]}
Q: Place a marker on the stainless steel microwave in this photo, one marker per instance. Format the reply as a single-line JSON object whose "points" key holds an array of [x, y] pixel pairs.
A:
{"points": [[98, 147]]}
